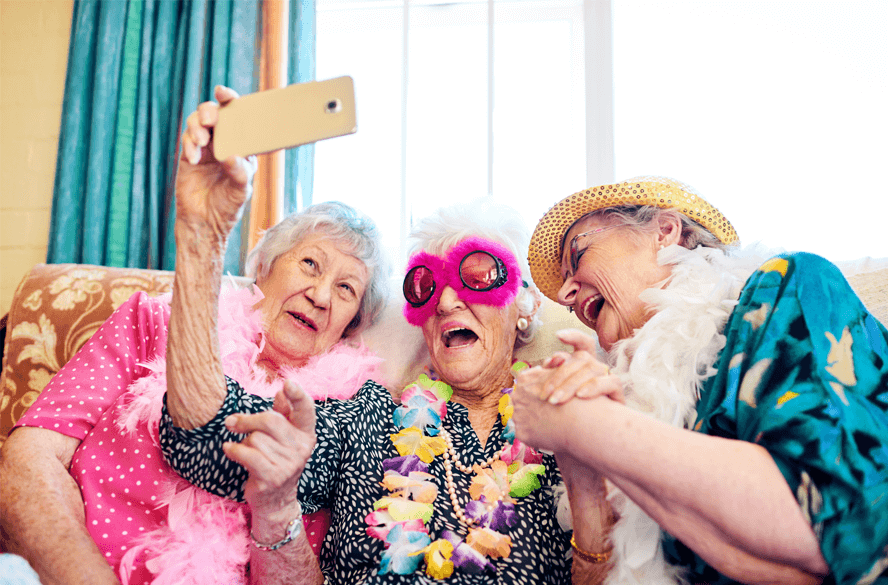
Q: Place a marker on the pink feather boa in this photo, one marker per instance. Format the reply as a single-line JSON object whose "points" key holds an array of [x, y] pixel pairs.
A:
{"points": [[206, 538]]}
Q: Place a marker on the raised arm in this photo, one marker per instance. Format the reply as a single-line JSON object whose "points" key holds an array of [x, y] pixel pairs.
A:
{"points": [[209, 196]]}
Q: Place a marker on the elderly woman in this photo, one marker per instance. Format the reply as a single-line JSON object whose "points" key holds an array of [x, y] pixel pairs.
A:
{"points": [[746, 410], [86, 496], [436, 486]]}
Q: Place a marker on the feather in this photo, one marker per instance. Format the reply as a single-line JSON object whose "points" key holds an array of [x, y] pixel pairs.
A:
{"points": [[205, 539], [662, 367]]}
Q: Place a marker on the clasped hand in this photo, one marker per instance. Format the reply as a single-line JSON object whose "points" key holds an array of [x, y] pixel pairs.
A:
{"points": [[278, 445], [542, 394]]}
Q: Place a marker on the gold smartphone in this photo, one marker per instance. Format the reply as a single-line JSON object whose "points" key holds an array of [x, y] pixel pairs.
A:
{"points": [[282, 118]]}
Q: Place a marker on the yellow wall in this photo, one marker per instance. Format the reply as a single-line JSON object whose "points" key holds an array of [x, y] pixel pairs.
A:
{"points": [[33, 56]]}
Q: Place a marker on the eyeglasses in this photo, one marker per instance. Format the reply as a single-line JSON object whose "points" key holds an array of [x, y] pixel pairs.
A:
{"points": [[478, 270], [575, 249]]}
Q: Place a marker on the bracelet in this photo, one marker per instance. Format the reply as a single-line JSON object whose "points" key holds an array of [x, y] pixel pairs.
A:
{"points": [[589, 556], [293, 530]]}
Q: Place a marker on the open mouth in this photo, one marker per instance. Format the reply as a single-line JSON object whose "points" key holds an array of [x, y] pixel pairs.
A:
{"points": [[592, 307], [303, 320], [459, 337]]}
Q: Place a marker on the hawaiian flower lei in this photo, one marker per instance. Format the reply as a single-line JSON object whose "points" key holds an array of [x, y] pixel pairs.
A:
{"points": [[401, 518]]}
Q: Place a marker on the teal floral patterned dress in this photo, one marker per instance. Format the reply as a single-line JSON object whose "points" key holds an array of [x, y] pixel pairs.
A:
{"points": [[804, 374]]}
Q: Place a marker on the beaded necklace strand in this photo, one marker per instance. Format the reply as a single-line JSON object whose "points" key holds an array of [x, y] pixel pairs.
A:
{"points": [[401, 518]]}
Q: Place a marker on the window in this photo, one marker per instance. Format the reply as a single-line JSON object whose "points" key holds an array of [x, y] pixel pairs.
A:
{"points": [[774, 110], [426, 145]]}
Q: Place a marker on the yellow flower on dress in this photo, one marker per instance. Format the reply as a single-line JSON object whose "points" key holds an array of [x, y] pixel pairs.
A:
{"points": [[73, 287], [775, 265], [411, 441], [786, 397]]}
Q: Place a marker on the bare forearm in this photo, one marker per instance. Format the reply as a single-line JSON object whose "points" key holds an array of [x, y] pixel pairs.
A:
{"points": [[294, 562], [592, 519], [725, 499], [41, 511], [716, 548], [195, 382]]}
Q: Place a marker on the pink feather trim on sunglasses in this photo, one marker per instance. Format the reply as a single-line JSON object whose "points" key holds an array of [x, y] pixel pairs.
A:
{"points": [[446, 272]]}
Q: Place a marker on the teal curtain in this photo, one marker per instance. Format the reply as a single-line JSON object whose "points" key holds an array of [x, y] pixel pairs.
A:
{"points": [[136, 68], [298, 181]]}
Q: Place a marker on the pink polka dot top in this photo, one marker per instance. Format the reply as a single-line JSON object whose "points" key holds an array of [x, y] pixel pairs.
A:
{"points": [[118, 474], [121, 475]]}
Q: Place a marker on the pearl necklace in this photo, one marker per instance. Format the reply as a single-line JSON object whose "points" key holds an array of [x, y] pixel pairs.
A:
{"points": [[452, 460]]}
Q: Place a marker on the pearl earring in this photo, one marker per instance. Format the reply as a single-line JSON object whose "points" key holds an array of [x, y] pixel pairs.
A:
{"points": [[522, 324]]}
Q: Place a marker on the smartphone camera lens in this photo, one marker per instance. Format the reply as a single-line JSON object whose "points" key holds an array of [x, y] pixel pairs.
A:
{"points": [[334, 106]]}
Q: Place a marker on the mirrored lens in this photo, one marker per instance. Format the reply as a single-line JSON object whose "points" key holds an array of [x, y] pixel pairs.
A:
{"points": [[480, 271], [419, 285]]}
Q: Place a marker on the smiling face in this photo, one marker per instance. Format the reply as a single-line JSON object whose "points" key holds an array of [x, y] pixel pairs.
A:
{"points": [[311, 294], [615, 266], [471, 344]]}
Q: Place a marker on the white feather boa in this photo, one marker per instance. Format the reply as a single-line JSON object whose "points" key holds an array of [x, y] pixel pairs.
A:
{"points": [[662, 367], [206, 538]]}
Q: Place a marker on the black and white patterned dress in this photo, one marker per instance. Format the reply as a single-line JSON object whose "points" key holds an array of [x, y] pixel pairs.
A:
{"points": [[344, 475]]}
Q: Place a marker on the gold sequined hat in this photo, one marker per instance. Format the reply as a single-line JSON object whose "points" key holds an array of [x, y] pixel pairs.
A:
{"points": [[544, 254]]}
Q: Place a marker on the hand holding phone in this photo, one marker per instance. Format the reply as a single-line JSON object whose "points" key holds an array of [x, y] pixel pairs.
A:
{"points": [[283, 118]]}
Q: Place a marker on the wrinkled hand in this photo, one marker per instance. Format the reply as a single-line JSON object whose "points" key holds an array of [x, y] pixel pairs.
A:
{"points": [[537, 423], [211, 193], [278, 445], [542, 394], [577, 375]]}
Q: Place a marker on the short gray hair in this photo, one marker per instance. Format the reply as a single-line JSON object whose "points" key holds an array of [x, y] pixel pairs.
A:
{"points": [[356, 231], [642, 219], [487, 219]]}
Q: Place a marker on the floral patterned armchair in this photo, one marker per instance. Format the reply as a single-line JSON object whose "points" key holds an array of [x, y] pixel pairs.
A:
{"points": [[55, 310]]}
